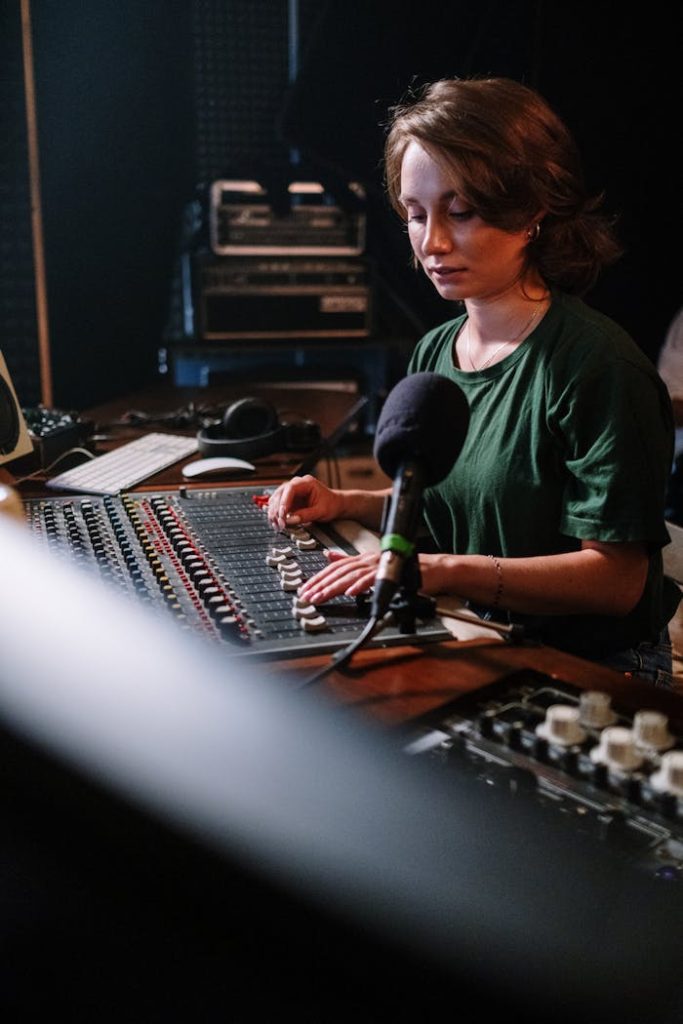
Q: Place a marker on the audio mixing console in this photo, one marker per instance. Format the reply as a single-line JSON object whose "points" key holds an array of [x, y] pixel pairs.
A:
{"points": [[211, 559], [608, 774]]}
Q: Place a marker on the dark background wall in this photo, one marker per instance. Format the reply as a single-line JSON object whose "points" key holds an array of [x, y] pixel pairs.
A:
{"points": [[139, 105]]}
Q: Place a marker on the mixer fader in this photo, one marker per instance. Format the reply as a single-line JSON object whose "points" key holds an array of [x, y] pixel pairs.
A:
{"points": [[606, 773], [211, 559]]}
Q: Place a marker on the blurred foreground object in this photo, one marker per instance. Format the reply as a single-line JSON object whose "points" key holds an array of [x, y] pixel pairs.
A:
{"points": [[185, 834], [10, 503]]}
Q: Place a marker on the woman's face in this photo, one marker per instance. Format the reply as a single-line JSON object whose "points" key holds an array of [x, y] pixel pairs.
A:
{"points": [[463, 256]]}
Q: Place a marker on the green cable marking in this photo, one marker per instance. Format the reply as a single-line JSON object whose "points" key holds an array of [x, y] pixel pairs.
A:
{"points": [[395, 542]]}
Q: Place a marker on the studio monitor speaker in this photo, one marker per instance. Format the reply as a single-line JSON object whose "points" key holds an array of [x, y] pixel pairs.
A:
{"points": [[14, 436]]}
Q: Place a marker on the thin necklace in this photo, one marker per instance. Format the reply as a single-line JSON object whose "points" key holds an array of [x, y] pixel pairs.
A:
{"points": [[510, 341]]}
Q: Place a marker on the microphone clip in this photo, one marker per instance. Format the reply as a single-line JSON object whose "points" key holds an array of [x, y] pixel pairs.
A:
{"points": [[407, 608], [408, 603]]}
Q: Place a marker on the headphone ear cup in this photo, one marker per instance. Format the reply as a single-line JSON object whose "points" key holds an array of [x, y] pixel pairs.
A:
{"points": [[249, 428], [249, 417]]}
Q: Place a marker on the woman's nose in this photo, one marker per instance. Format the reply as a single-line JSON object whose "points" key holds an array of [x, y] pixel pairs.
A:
{"points": [[437, 237]]}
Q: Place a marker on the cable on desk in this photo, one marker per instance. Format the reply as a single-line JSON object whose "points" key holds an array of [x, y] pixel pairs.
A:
{"points": [[190, 415], [343, 657], [511, 631], [46, 469]]}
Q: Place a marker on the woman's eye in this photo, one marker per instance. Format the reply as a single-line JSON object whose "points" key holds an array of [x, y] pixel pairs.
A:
{"points": [[461, 214], [415, 218]]}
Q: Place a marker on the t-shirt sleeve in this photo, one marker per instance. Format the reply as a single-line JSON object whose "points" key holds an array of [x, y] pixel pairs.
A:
{"points": [[617, 431]]}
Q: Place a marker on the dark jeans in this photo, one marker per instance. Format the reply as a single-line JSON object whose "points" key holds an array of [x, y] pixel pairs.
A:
{"points": [[648, 661]]}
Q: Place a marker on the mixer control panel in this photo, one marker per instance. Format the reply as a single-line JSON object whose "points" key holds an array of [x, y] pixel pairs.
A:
{"points": [[211, 559], [611, 774]]}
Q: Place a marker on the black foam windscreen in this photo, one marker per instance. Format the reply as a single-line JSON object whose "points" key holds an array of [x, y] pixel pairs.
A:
{"points": [[424, 419]]}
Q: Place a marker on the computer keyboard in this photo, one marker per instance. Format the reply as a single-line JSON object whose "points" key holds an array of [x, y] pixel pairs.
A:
{"points": [[127, 465]]}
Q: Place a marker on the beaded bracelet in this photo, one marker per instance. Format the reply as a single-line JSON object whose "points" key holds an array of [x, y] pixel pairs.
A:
{"points": [[499, 581]]}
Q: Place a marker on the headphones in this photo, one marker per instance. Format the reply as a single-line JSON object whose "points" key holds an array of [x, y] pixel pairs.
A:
{"points": [[251, 427]]}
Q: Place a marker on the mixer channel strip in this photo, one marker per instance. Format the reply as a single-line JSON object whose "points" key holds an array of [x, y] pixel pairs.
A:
{"points": [[212, 560]]}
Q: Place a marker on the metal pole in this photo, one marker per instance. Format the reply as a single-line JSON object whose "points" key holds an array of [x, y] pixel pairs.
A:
{"points": [[36, 210]]}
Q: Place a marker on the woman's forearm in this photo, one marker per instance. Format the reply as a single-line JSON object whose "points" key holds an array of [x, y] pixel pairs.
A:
{"points": [[365, 507], [599, 580]]}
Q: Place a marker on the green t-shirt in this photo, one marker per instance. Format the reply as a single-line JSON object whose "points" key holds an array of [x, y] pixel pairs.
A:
{"points": [[570, 439]]}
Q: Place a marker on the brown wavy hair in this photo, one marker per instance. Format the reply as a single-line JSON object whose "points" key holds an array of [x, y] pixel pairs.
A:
{"points": [[515, 162]]}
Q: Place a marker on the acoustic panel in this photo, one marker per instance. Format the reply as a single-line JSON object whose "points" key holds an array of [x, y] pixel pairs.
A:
{"points": [[244, 57]]}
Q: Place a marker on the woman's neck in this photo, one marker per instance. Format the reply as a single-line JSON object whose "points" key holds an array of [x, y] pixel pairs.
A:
{"points": [[500, 317], [497, 325]]}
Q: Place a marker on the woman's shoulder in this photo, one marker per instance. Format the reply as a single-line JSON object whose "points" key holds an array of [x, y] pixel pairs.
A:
{"points": [[581, 321], [588, 339]]}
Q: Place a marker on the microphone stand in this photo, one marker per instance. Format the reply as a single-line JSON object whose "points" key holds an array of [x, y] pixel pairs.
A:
{"points": [[409, 604], [373, 626], [406, 606], [403, 609]]}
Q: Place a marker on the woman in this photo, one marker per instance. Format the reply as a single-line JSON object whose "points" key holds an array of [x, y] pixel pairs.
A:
{"points": [[553, 513]]}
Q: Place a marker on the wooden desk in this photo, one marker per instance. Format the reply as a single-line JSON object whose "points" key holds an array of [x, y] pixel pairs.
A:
{"points": [[399, 685], [123, 419]]}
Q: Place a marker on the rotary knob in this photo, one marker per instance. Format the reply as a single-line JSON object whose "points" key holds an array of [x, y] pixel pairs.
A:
{"points": [[669, 777], [617, 749], [595, 711], [651, 730], [562, 726]]}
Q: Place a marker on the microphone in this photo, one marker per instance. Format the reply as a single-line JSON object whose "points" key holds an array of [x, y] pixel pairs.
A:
{"points": [[419, 436]]}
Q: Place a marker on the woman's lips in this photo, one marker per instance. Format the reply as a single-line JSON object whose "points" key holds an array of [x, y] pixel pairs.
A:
{"points": [[445, 272]]}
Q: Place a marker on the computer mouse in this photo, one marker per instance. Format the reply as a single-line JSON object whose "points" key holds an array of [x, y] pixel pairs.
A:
{"points": [[217, 465]]}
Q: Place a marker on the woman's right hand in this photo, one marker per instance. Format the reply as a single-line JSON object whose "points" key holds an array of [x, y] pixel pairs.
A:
{"points": [[303, 499]]}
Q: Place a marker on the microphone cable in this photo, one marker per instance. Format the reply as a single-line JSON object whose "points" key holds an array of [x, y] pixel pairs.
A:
{"points": [[373, 626], [511, 632]]}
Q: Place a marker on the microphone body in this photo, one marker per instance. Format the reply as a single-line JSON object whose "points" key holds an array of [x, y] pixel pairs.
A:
{"points": [[398, 535], [420, 433]]}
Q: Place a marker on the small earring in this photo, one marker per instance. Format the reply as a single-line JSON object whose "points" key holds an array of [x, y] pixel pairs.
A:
{"points": [[533, 232]]}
